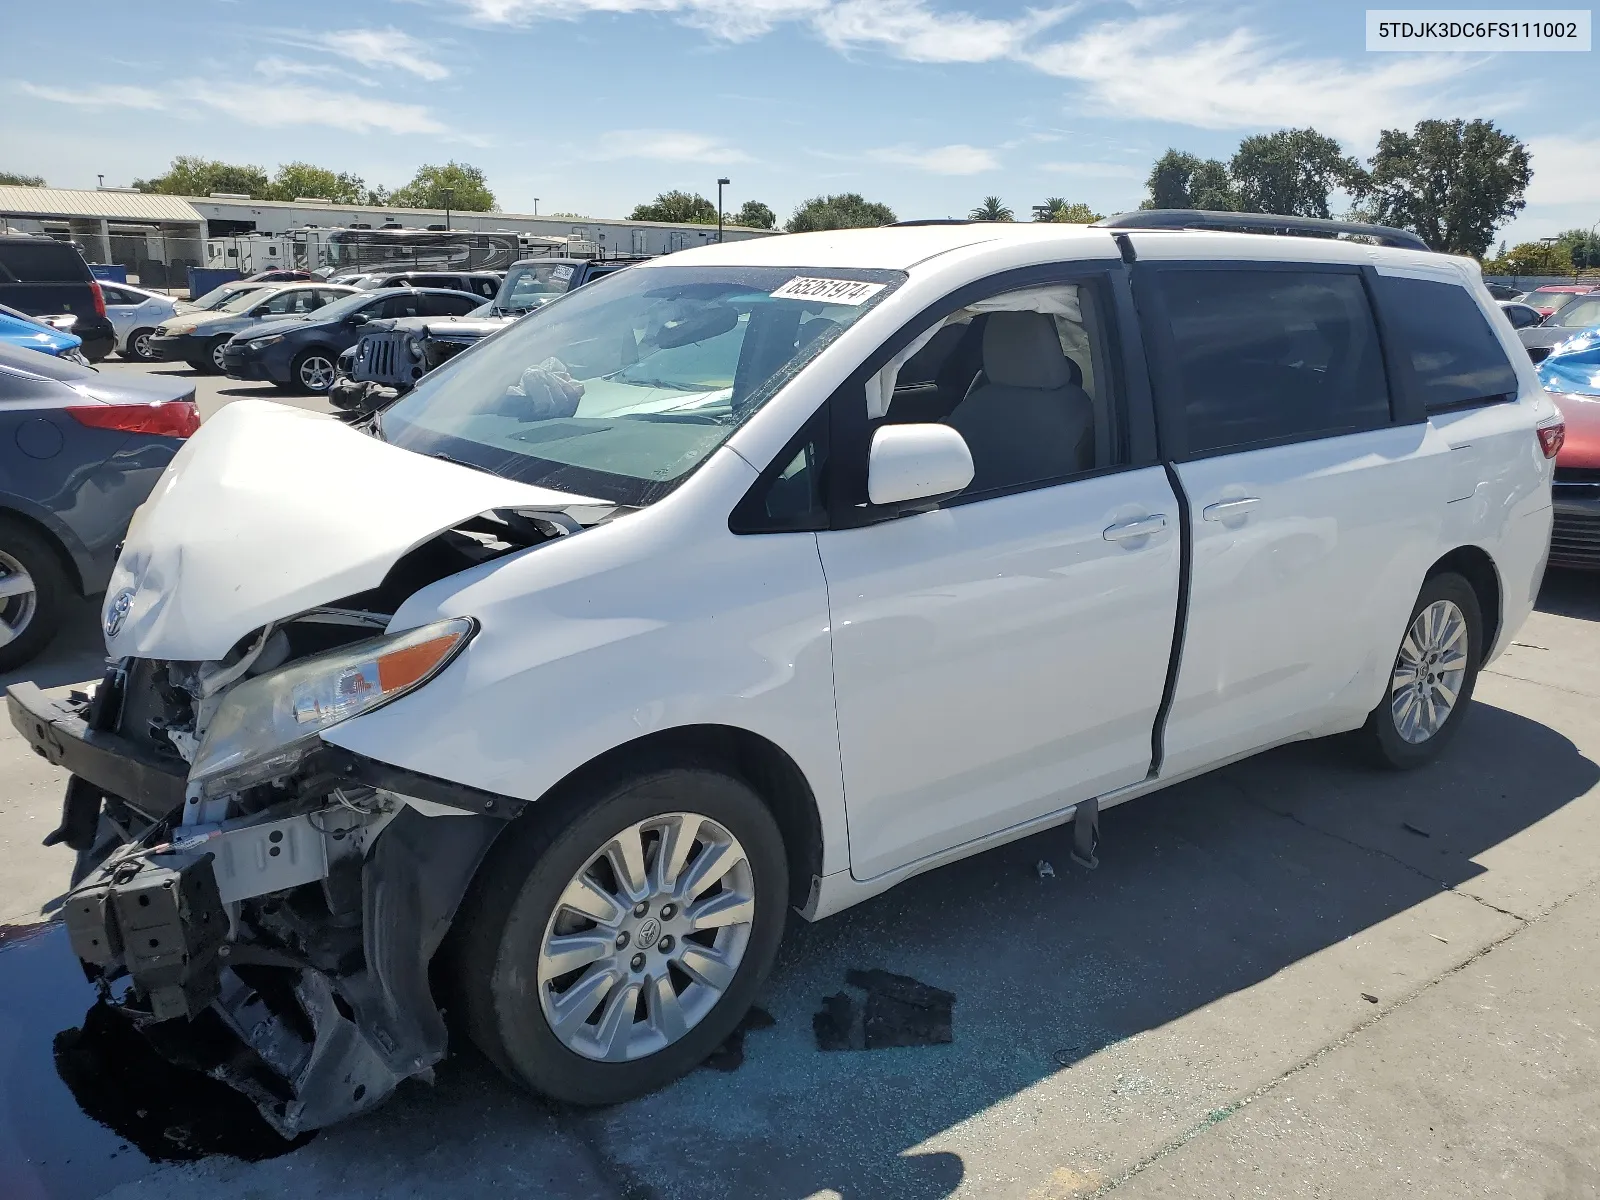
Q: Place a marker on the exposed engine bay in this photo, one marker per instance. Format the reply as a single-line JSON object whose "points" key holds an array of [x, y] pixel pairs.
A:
{"points": [[279, 897]]}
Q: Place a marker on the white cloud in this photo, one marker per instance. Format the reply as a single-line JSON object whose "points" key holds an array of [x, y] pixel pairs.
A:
{"points": [[1167, 66], [957, 159], [103, 95], [665, 145], [1566, 170], [263, 104], [388, 48], [1164, 68]]}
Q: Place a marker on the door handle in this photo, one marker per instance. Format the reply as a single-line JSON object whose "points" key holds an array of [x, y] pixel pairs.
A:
{"points": [[1223, 509], [1128, 530]]}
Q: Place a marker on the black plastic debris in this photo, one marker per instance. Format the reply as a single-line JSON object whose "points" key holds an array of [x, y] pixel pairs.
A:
{"points": [[898, 1011], [1410, 828], [730, 1055]]}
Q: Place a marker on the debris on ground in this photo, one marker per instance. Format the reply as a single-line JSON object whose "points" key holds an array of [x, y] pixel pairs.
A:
{"points": [[1369, 997], [730, 1055], [898, 1011], [1410, 828], [1045, 870], [1437, 938]]}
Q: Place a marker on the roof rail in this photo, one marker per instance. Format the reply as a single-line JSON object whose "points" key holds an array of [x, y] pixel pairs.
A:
{"points": [[1194, 218], [932, 221]]}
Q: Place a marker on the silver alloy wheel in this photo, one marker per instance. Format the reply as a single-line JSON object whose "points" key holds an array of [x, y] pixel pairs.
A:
{"points": [[646, 937], [216, 354], [1429, 671], [316, 373], [19, 599], [141, 346]]}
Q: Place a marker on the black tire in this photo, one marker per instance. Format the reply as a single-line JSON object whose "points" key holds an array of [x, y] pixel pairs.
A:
{"points": [[23, 544], [502, 925], [1380, 739], [297, 379], [209, 365], [131, 348]]}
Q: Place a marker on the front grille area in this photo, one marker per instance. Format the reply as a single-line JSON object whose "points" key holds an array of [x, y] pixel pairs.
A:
{"points": [[1577, 475], [378, 356], [1575, 539]]}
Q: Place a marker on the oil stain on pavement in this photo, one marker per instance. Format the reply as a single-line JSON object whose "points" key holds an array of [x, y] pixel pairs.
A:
{"points": [[85, 1103]]}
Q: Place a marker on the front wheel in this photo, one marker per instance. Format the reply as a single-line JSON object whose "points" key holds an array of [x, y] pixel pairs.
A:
{"points": [[1431, 682], [606, 952], [312, 371]]}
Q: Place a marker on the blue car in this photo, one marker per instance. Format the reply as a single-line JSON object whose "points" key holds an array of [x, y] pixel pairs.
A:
{"points": [[30, 333]]}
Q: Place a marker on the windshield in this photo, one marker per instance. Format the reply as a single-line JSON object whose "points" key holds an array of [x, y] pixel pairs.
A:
{"points": [[1543, 299], [218, 295], [621, 388], [1580, 314], [345, 305], [240, 301], [526, 288]]}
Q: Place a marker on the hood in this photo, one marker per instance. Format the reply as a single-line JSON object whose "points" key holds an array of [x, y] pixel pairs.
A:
{"points": [[35, 335], [268, 327], [268, 511], [1582, 417], [214, 322]]}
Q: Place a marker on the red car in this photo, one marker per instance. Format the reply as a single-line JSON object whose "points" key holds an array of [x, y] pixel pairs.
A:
{"points": [[1575, 541], [1553, 297]]}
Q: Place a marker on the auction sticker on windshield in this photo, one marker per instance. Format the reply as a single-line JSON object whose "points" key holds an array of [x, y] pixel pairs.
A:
{"points": [[831, 291], [561, 274]]}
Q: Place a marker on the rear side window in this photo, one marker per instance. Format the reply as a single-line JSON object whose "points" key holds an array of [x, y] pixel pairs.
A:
{"points": [[455, 305], [41, 261], [1267, 355], [1456, 360]]}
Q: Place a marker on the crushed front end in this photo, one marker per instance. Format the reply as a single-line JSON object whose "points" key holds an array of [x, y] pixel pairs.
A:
{"points": [[393, 354], [263, 904]]}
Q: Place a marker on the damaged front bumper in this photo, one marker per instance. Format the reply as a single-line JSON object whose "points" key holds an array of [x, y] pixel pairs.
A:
{"points": [[285, 949]]}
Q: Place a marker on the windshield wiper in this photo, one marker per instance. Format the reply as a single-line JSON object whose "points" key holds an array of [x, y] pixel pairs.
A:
{"points": [[461, 462]]}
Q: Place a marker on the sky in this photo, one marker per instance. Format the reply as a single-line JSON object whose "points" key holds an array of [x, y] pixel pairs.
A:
{"points": [[592, 106]]}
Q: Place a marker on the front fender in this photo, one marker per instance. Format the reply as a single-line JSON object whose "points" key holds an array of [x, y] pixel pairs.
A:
{"points": [[658, 620]]}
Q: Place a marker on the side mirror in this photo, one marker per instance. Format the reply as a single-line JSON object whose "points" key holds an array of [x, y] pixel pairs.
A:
{"points": [[917, 462], [359, 318]]}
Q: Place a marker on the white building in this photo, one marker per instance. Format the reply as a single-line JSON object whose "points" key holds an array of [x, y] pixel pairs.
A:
{"points": [[161, 235]]}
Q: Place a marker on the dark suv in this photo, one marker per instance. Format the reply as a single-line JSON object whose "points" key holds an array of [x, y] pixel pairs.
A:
{"points": [[46, 278], [483, 284]]}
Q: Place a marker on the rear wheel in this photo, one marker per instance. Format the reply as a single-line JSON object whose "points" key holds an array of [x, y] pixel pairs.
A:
{"points": [[138, 346], [611, 944], [33, 591], [1431, 682]]}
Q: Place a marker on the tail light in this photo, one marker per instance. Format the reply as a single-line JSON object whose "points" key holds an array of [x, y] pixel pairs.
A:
{"points": [[164, 418], [99, 297], [1551, 438]]}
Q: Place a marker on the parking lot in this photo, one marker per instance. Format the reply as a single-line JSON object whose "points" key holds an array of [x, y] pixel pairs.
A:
{"points": [[1292, 977]]}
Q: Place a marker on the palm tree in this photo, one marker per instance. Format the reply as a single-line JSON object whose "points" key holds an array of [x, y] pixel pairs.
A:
{"points": [[1056, 208], [991, 210]]}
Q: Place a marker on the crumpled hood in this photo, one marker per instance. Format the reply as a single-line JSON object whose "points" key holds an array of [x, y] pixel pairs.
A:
{"points": [[268, 511]]}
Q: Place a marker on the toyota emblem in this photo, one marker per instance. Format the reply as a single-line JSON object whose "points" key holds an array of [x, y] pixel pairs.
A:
{"points": [[117, 611]]}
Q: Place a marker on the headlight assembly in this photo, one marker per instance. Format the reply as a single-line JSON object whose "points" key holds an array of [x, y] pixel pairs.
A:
{"points": [[265, 725], [264, 342]]}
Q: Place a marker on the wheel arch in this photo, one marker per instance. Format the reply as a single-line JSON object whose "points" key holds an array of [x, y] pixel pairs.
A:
{"points": [[759, 762], [1474, 565], [67, 550]]}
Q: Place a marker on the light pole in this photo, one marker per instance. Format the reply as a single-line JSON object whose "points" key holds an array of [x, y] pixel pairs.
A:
{"points": [[536, 206], [449, 198], [721, 183]]}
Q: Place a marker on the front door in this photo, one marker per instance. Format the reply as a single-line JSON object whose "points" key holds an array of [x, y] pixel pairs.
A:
{"points": [[1004, 656]]}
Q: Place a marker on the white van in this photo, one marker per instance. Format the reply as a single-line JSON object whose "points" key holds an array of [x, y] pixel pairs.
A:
{"points": [[760, 577]]}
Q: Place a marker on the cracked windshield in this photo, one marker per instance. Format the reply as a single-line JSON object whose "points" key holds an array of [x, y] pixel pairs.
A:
{"points": [[623, 388]]}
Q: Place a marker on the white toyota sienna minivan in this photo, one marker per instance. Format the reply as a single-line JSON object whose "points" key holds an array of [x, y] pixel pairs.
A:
{"points": [[757, 577]]}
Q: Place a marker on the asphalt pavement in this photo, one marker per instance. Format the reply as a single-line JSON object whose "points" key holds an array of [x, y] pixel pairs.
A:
{"points": [[1295, 977]]}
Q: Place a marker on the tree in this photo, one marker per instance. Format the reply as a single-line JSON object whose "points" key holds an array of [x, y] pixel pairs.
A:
{"points": [[755, 215], [1582, 246], [1056, 208], [991, 210], [1531, 258], [1451, 182], [1181, 180], [847, 210], [454, 185], [297, 179], [16, 180], [191, 175], [1291, 172], [680, 207]]}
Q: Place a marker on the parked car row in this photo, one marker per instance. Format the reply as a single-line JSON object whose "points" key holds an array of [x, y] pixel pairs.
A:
{"points": [[42, 277]]}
